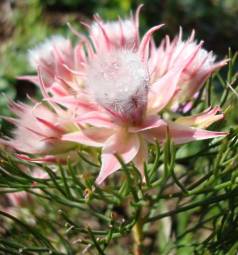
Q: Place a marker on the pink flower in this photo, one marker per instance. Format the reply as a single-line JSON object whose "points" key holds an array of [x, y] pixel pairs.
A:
{"points": [[129, 101], [38, 132], [54, 60], [110, 91], [196, 72]]}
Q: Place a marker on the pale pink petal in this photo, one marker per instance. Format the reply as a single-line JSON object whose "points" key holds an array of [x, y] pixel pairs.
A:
{"points": [[144, 45], [31, 78], [110, 164], [126, 149], [162, 91], [120, 142], [10, 120], [202, 120], [18, 198], [79, 55], [141, 156], [51, 125], [149, 123], [90, 136], [55, 159], [71, 101], [96, 119], [181, 134], [44, 159], [58, 90], [193, 82]]}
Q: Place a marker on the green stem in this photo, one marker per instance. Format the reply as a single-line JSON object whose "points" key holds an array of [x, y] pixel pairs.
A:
{"points": [[205, 202], [137, 232]]}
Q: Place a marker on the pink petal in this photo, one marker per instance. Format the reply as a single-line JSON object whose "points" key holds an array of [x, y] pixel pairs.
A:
{"points": [[58, 90], [137, 24], [79, 55], [50, 125], [110, 164], [149, 123], [107, 41], [96, 119], [141, 157], [162, 91], [126, 149], [71, 101], [90, 136], [44, 159], [144, 45], [31, 78], [6, 142], [10, 120], [120, 142], [203, 119], [182, 134], [198, 78]]}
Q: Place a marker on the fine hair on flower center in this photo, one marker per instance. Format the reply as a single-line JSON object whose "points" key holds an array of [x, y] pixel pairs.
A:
{"points": [[119, 81]]}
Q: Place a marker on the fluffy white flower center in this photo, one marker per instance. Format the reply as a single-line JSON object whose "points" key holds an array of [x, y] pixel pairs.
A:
{"points": [[44, 51], [119, 81]]}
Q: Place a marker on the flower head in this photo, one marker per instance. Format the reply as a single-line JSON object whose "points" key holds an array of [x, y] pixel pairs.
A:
{"points": [[54, 60], [130, 98], [110, 91], [195, 73], [38, 132], [44, 53]]}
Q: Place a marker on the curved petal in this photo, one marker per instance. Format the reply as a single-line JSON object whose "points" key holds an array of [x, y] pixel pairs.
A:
{"points": [[96, 119], [149, 123], [121, 142], [43, 159], [162, 91], [126, 149], [144, 45], [58, 90], [181, 134], [141, 157], [31, 78], [92, 136], [110, 164], [56, 159], [71, 101], [203, 119]]}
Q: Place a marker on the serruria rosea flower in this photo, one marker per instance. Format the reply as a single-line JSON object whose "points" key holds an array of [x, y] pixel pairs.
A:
{"points": [[198, 70], [44, 53], [38, 131], [54, 59], [128, 118], [114, 92]]}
